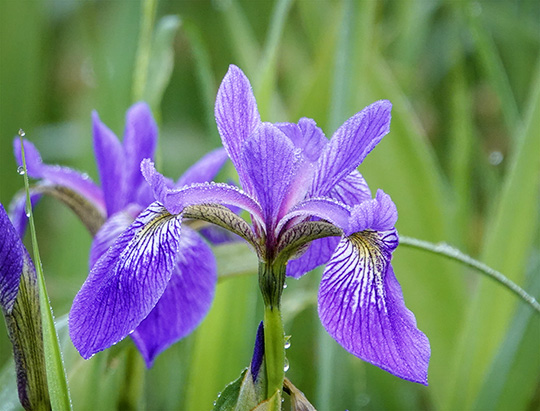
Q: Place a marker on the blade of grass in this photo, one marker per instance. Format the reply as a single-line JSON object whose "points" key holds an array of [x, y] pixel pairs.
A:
{"points": [[492, 64], [205, 76], [56, 375], [140, 73], [242, 37], [511, 230], [266, 80], [505, 383]]}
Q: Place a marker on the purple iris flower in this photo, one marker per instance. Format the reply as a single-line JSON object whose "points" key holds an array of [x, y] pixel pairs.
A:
{"points": [[307, 203], [191, 277]]}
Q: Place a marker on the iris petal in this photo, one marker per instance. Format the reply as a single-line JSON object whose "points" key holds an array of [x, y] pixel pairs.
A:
{"points": [[352, 190], [205, 169], [361, 306], [236, 117], [268, 157], [11, 261], [186, 299], [350, 144], [126, 283], [201, 193], [319, 252], [62, 176], [110, 231], [111, 165], [140, 139]]}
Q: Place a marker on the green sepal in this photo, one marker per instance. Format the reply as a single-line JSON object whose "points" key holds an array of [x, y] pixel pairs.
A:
{"points": [[296, 238], [225, 218], [271, 404], [25, 331], [243, 394]]}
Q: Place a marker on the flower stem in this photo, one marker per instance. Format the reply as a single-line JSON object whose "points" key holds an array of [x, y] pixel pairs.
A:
{"points": [[271, 280], [274, 350], [454, 254]]}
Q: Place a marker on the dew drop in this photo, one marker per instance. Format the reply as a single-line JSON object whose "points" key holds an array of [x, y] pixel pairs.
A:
{"points": [[285, 285], [287, 344], [286, 365], [21, 132], [495, 158], [20, 170]]}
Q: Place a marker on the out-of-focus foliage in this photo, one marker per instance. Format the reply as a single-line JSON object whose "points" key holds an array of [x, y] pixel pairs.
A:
{"points": [[462, 163]]}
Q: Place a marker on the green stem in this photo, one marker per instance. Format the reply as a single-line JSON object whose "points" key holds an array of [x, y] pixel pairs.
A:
{"points": [[271, 280], [452, 253], [140, 73], [274, 350]]}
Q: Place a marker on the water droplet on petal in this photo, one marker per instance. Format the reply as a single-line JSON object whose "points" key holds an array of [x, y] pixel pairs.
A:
{"points": [[20, 170], [21, 132]]}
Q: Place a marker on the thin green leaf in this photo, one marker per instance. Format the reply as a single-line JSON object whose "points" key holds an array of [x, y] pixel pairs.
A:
{"points": [[160, 65], [204, 74], [242, 37], [266, 79], [492, 64], [140, 73], [56, 375]]}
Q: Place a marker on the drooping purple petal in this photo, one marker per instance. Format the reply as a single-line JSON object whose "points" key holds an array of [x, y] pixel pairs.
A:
{"points": [[236, 117], [361, 306], [269, 159], [110, 231], [204, 193], [352, 190], [350, 144], [11, 262], [205, 169], [140, 140], [185, 302], [319, 252], [57, 175], [111, 165], [126, 282]]}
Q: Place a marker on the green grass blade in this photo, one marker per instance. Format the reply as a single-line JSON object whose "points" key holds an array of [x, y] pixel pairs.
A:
{"points": [[512, 376], [160, 66], [140, 73], [56, 375], [511, 230], [492, 64], [242, 38], [266, 80]]}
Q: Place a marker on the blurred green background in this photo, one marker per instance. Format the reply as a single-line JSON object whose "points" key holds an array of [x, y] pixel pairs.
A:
{"points": [[462, 163]]}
